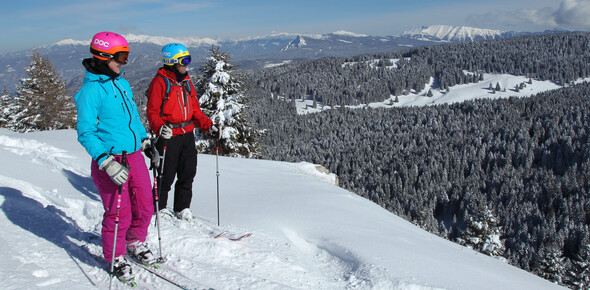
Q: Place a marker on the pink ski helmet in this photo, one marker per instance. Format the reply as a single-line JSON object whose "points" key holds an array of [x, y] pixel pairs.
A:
{"points": [[105, 45]]}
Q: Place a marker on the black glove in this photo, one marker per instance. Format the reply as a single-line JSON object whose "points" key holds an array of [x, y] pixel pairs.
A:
{"points": [[152, 153], [214, 132]]}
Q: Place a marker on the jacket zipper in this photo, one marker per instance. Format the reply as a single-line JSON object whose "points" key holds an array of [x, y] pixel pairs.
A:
{"points": [[123, 96], [182, 102]]}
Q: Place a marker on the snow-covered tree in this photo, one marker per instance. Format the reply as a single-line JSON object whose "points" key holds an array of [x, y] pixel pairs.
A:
{"points": [[42, 100], [483, 233], [579, 275], [552, 264], [7, 107], [223, 100]]}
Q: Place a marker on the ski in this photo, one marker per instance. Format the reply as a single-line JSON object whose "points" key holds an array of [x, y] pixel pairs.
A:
{"points": [[230, 236], [154, 269], [130, 283]]}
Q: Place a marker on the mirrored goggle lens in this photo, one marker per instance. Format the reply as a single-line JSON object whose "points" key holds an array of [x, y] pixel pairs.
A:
{"points": [[185, 60], [121, 57]]}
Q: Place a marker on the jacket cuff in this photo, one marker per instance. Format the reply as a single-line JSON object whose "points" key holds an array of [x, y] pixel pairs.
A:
{"points": [[101, 158]]}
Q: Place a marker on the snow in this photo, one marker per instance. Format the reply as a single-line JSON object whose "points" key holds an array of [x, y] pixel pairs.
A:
{"points": [[458, 93], [307, 232], [197, 41], [159, 40], [454, 33], [269, 65], [348, 33]]}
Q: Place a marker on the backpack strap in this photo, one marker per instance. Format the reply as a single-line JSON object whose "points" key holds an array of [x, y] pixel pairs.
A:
{"points": [[167, 92], [187, 86]]}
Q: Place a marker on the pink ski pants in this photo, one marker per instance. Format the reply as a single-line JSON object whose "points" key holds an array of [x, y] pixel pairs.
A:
{"points": [[137, 205]]}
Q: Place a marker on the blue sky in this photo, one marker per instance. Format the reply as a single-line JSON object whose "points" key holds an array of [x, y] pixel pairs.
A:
{"points": [[31, 23]]}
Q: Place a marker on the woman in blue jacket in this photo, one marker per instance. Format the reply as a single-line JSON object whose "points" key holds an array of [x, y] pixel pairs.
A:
{"points": [[108, 125]]}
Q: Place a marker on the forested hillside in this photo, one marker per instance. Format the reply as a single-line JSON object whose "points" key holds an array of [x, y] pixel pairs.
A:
{"points": [[527, 160], [373, 78]]}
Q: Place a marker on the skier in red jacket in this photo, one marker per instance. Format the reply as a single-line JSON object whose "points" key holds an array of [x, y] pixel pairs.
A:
{"points": [[173, 112]]}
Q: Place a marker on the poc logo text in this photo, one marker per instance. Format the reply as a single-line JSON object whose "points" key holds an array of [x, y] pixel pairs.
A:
{"points": [[101, 42]]}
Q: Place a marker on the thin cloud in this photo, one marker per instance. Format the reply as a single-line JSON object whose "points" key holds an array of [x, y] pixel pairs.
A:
{"points": [[571, 14], [129, 29]]}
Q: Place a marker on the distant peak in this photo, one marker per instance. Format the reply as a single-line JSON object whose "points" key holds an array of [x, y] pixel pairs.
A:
{"points": [[454, 33], [348, 33], [70, 41]]}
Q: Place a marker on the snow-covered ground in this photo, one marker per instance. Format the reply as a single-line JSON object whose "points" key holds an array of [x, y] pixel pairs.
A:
{"points": [[307, 233], [458, 93]]}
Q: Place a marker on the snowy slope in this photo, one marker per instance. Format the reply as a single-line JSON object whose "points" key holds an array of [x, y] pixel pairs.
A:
{"points": [[456, 94], [307, 233]]}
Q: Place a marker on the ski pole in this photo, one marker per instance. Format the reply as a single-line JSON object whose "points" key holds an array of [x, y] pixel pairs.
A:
{"points": [[124, 163], [156, 202], [217, 170]]}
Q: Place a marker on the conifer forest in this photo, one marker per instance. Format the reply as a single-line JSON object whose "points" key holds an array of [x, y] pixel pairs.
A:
{"points": [[524, 162]]}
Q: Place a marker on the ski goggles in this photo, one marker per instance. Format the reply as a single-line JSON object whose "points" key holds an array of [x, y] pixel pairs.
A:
{"points": [[120, 57], [185, 60]]}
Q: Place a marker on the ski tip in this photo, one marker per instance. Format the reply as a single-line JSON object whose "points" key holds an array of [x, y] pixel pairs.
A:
{"points": [[239, 238], [219, 235]]}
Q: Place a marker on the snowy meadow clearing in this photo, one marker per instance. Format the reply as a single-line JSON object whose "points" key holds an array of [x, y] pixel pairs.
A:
{"points": [[456, 94]]}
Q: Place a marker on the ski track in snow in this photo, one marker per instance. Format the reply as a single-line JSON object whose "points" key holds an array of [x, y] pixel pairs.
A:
{"points": [[72, 223], [52, 157]]}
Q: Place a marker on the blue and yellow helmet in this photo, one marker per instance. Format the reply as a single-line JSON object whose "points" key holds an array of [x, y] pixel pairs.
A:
{"points": [[175, 53]]}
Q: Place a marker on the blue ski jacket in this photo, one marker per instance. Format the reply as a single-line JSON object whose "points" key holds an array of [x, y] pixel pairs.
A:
{"points": [[108, 121]]}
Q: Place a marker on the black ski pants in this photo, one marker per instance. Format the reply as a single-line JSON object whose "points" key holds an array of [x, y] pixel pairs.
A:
{"points": [[180, 162]]}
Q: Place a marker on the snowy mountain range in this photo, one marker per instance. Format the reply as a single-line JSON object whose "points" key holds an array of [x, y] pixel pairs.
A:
{"points": [[306, 232], [455, 33], [251, 52]]}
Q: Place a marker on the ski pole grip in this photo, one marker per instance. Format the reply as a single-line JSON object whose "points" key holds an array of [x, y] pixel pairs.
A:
{"points": [[124, 158]]}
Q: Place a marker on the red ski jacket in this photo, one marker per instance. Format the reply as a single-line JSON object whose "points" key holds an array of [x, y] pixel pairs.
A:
{"points": [[180, 108]]}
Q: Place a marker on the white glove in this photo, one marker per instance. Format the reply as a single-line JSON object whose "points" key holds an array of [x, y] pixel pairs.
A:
{"points": [[165, 132], [115, 170]]}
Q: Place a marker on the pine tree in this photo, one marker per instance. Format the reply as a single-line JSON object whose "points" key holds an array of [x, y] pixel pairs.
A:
{"points": [[7, 106], [483, 234], [579, 276], [42, 102], [222, 99], [551, 264]]}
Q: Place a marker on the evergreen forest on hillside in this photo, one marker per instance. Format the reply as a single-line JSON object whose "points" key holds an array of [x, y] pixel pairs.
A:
{"points": [[525, 161], [373, 78]]}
